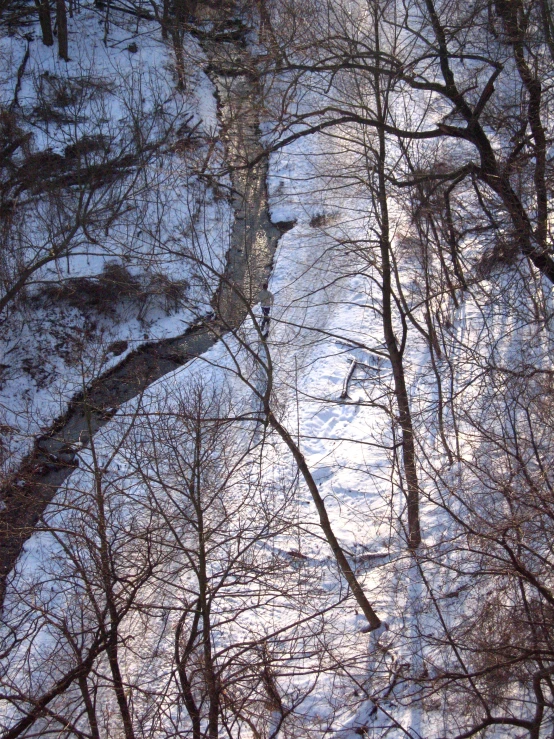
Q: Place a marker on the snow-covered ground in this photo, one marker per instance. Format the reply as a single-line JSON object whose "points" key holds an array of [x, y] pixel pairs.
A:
{"points": [[141, 226]]}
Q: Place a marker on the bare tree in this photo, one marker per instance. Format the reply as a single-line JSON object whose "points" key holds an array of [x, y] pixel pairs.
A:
{"points": [[164, 564]]}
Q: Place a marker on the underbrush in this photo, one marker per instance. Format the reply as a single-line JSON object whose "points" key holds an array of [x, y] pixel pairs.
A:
{"points": [[105, 292]]}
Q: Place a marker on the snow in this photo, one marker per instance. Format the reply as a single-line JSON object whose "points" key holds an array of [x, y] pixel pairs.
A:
{"points": [[47, 356]]}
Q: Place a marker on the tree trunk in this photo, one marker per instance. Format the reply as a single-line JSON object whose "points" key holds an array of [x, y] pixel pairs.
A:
{"points": [[45, 21], [394, 351], [204, 605], [181, 660], [61, 20], [372, 618], [165, 19], [91, 714], [177, 39], [118, 685]]}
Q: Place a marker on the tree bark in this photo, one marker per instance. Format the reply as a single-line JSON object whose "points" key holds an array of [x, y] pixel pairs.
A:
{"points": [[372, 618], [43, 8], [91, 714], [204, 604], [394, 351], [181, 660], [61, 20]]}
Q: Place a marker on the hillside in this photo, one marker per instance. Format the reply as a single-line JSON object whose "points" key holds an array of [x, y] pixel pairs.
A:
{"points": [[325, 510]]}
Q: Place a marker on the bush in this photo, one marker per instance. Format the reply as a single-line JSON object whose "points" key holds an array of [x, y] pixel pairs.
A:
{"points": [[115, 285], [319, 220]]}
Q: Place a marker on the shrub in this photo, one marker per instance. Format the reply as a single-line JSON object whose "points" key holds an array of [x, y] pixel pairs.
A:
{"points": [[115, 285]]}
